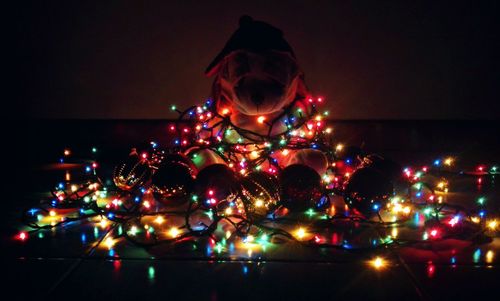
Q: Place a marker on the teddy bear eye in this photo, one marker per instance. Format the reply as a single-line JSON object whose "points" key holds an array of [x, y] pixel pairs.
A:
{"points": [[225, 71], [277, 67], [240, 64]]}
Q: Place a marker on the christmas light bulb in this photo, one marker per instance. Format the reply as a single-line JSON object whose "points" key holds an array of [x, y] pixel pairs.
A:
{"points": [[174, 232], [159, 220], [492, 224], [475, 219], [109, 242], [249, 239], [378, 263], [300, 233], [489, 256], [394, 232], [23, 236]]}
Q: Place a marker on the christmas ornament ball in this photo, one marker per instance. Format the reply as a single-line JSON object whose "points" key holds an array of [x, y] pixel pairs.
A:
{"points": [[132, 172], [387, 167], [367, 191], [261, 190], [350, 154], [300, 187], [215, 183], [311, 157], [173, 179]]}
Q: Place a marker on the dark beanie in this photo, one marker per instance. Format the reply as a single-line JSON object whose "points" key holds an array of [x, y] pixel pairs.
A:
{"points": [[254, 36]]}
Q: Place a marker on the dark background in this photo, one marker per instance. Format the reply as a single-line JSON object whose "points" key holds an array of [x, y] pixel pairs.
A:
{"points": [[371, 60], [127, 59]]}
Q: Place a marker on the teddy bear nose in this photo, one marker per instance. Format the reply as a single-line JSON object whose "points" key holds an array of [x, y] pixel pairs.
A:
{"points": [[257, 98], [259, 91]]}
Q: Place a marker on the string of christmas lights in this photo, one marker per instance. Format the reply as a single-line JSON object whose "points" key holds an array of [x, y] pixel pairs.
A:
{"points": [[253, 200]]}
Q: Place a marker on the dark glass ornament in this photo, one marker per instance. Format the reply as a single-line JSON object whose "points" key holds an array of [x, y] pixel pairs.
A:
{"points": [[388, 168], [367, 191], [132, 172], [215, 183], [350, 155], [300, 187], [261, 192], [173, 179]]}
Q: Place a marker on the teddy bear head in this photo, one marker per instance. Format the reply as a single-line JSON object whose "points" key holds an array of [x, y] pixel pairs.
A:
{"points": [[256, 72]]}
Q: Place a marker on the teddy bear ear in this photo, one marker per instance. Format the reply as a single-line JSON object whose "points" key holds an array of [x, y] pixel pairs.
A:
{"points": [[212, 69], [302, 89], [244, 23]]}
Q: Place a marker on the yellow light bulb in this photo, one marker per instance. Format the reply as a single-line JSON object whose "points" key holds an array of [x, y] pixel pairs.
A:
{"points": [[378, 263], [159, 220], [493, 224], [174, 232], [394, 232], [475, 219], [109, 242], [489, 256], [103, 223], [259, 203], [300, 233], [261, 119], [249, 239], [397, 208]]}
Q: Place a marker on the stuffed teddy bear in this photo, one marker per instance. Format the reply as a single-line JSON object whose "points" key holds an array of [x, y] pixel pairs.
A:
{"points": [[257, 83]]}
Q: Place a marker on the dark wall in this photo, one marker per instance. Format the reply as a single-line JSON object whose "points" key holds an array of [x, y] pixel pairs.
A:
{"points": [[373, 60]]}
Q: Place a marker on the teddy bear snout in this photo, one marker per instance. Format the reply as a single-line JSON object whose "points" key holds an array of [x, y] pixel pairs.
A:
{"points": [[263, 94]]}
